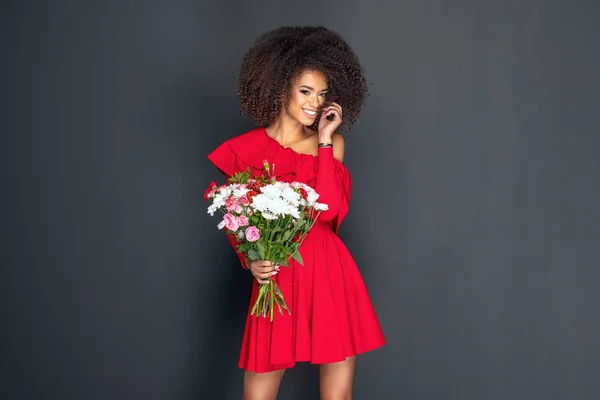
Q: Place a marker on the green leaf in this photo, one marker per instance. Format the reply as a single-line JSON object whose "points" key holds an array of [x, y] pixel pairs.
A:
{"points": [[261, 249], [241, 177], [286, 236], [279, 250], [296, 256], [253, 254]]}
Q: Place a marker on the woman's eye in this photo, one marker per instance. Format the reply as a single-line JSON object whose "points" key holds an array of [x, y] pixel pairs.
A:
{"points": [[306, 92]]}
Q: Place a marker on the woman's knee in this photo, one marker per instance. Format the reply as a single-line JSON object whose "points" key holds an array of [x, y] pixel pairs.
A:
{"points": [[262, 386], [337, 380]]}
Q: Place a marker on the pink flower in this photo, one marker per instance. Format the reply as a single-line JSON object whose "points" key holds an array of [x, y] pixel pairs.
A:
{"points": [[232, 204], [244, 200], [252, 234], [231, 222], [242, 220]]}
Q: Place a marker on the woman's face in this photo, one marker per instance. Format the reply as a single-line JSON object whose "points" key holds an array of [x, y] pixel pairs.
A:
{"points": [[307, 97]]}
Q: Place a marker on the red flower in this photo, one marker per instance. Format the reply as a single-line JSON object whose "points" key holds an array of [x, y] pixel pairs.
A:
{"points": [[304, 193], [251, 194], [210, 191]]}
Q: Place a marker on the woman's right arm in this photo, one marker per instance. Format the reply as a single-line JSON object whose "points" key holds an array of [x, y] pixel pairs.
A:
{"points": [[260, 269], [223, 157]]}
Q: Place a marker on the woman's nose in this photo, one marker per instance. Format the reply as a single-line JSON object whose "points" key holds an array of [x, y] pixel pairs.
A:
{"points": [[314, 102]]}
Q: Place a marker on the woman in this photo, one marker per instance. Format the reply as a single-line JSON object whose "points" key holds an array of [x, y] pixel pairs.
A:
{"points": [[298, 84]]}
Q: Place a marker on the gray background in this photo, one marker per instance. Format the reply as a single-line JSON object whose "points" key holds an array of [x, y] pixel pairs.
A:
{"points": [[474, 216]]}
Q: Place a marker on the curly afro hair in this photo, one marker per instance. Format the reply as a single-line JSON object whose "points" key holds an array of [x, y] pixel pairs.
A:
{"points": [[279, 56]]}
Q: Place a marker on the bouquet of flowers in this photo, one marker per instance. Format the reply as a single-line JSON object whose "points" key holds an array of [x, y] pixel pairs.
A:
{"points": [[269, 219]]}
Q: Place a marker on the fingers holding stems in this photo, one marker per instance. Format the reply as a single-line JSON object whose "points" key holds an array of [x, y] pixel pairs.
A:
{"points": [[263, 270]]}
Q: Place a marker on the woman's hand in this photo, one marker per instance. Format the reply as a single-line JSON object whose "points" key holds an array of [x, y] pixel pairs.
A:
{"points": [[262, 270], [326, 127]]}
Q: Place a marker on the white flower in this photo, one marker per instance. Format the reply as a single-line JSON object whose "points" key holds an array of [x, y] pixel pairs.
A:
{"points": [[221, 225], [211, 209], [278, 206], [281, 186], [280, 199], [226, 191], [260, 202], [271, 191], [312, 196], [291, 196], [219, 200], [268, 215], [300, 185], [293, 211], [321, 207], [240, 192]]}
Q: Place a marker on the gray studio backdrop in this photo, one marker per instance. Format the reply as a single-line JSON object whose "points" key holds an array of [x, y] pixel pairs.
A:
{"points": [[474, 216]]}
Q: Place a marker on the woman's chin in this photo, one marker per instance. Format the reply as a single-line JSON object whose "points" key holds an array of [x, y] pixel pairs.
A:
{"points": [[308, 121], [305, 119]]}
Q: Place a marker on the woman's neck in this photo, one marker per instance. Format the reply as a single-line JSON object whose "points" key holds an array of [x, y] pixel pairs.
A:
{"points": [[288, 131]]}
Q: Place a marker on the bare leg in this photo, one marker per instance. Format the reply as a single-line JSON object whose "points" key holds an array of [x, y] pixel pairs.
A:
{"points": [[262, 386], [337, 379]]}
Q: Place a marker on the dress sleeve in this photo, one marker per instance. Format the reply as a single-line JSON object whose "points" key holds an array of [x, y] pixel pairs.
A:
{"points": [[224, 158], [334, 186], [234, 245]]}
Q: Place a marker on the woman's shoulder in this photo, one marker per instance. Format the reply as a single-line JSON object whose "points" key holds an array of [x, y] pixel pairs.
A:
{"points": [[248, 136], [243, 147], [241, 142]]}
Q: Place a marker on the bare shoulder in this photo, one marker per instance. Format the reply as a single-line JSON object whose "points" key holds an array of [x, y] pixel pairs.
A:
{"points": [[338, 147]]}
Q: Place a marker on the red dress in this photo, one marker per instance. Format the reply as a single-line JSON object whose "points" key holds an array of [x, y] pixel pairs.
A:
{"points": [[331, 313]]}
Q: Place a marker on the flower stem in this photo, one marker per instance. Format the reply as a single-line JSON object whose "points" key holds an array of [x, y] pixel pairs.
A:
{"points": [[272, 298]]}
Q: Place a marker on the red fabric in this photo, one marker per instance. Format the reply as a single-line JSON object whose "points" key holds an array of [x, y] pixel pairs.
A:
{"points": [[331, 313], [242, 257]]}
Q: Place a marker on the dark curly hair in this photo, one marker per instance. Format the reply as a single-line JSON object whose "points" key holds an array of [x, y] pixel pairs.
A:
{"points": [[277, 57]]}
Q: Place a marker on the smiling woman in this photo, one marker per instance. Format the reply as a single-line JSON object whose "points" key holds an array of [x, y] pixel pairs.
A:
{"points": [[307, 97], [271, 68], [302, 84]]}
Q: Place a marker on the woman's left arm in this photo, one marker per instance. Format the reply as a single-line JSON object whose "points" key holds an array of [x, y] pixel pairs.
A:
{"points": [[333, 181]]}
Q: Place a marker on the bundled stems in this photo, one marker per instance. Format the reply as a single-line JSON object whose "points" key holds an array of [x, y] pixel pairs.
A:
{"points": [[269, 296], [269, 220]]}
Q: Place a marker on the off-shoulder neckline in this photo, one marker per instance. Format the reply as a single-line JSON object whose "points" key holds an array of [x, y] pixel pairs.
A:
{"points": [[264, 131]]}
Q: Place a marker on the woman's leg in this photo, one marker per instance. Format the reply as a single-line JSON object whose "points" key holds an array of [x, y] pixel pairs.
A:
{"points": [[337, 379], [263, 386]]}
